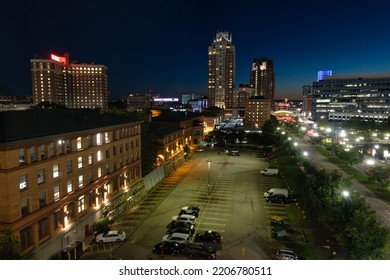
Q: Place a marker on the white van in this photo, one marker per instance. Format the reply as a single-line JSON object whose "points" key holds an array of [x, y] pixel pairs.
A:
{"points": [[270, 171]]}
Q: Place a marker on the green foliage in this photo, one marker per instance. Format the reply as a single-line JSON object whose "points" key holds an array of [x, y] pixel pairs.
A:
{"points": [[356, 223], [102, 225], [9, 246], [364, 237], [380, 175]]}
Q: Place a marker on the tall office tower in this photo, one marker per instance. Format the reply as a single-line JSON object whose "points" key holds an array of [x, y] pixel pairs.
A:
{"points": [[71, 84], [221, 71], [262, 78]]}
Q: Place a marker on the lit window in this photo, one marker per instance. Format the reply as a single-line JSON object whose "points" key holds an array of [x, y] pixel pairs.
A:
{"points": [[69, 186], [106, 137], [56, 171], [79, 145], [98, 139], [80, 162], [23, 182], [90, 159], [81, 181], [56, 193], [99, 155], [81, 204], [99, 172]]}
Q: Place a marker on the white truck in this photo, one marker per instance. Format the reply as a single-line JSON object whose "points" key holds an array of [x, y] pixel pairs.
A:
{"points": [[276, 195], [270, 171]]}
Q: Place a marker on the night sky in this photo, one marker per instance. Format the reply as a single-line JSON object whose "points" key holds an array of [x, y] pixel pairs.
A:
{"points": [[161, 46]]}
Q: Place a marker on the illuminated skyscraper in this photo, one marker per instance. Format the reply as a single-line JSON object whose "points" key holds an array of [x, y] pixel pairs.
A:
{"points": [[71, 84], [262, 78], [221, 71]]}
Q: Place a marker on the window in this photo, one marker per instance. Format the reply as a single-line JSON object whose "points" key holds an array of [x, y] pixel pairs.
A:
{"points": [[107, 153], [81, 181], [33, 156], [68, 166], [57, 219], [90, 159], [81, 204], [79, 144], [69, 186], [56, 193], [106, 137], [24, 207], [107, 168], [43, 228], [42, 151], [99, 155], [41, 176], [25, 238], [90, 176], [67, 143], [98, 139], [42, 199], [51, 149], [90, 140], [21, 156], [56, 171], [80, 162], [99, 172], [60, 146], [23, 182]]}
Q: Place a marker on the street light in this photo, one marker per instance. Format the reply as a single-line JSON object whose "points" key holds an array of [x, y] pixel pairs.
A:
{"points": [[208, 179]]}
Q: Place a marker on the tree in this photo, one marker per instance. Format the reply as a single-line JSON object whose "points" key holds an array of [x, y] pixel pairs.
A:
{"points": [[364, 237], [9, 246], [379, 175]]}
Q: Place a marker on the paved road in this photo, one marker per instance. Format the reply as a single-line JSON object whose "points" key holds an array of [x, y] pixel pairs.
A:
{"points": [[381, 207]]}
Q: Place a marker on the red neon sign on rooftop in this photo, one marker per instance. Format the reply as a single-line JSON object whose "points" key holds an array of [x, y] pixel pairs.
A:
{"points": [[60, 59]]}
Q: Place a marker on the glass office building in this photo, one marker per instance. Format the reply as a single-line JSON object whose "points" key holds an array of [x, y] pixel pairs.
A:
{"points": [[342, 97]]}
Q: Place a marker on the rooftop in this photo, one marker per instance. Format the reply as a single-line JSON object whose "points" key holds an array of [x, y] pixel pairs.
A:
{"points": [[34, 123]]}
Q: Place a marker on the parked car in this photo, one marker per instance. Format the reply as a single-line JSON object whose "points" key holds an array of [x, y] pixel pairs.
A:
{"points": [[269, 171], [224, 152], [186, 230], [190, 210], [185, 218], [199, 250], [176, 224], [276, 195], [168, 248], [236, 154], [199, 149], [287, 255], [176, 237], [111, 236], [208, 236]]}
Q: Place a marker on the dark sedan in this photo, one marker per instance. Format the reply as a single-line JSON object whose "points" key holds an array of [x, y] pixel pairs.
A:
{"points": [[208, 236], [167, 248]]}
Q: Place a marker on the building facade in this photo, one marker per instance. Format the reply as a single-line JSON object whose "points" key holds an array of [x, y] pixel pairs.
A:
{"points": [[361, 96], [257, 111], [71, 84], [55, 178], [221, 71], [262, 78]]}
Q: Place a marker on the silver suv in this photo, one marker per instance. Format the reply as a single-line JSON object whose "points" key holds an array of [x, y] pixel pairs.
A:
{"points": [[190, 210]]}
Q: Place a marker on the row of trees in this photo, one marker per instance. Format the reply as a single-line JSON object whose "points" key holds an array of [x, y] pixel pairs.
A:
{"points": [[328, 199]]}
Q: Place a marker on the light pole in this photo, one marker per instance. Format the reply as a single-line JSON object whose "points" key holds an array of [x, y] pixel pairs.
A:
{"points": [[208, 179]]}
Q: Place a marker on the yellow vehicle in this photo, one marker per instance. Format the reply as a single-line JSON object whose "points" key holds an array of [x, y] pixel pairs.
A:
{"points": [[277, 221]]}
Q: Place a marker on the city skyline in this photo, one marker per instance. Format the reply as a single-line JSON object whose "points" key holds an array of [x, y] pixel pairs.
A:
{"points": [[162, 46]]}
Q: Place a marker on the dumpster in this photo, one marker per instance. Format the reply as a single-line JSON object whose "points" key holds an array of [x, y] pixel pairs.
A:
{"points": [[278, 232], [73, 250]]}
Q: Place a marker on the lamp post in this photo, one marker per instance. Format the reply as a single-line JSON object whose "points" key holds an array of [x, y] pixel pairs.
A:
{"points": [[208, 179]]}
